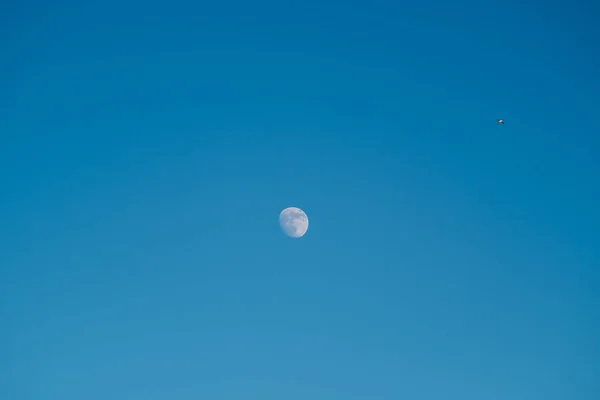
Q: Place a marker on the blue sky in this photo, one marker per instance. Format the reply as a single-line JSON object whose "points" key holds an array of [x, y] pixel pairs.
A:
{"points": [[147, 149]]}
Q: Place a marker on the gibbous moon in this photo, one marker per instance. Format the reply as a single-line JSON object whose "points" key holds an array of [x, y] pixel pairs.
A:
{"points": [[294, 222]]}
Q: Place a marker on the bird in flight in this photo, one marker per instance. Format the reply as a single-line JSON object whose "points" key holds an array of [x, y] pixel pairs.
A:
{"points": [[501, 121]]}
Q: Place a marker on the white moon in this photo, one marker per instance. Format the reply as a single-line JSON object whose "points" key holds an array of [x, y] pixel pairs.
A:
{"points": [[294, 222]]}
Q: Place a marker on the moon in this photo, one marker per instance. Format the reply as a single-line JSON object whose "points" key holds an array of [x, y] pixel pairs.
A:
{"points": [[294, 222]]}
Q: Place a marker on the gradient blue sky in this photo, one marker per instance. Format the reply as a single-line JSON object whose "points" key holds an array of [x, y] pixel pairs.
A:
{"points": [[148, 147]]}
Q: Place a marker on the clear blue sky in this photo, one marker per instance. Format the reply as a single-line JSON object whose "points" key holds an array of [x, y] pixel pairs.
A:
{"points": [[147, 149]]}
